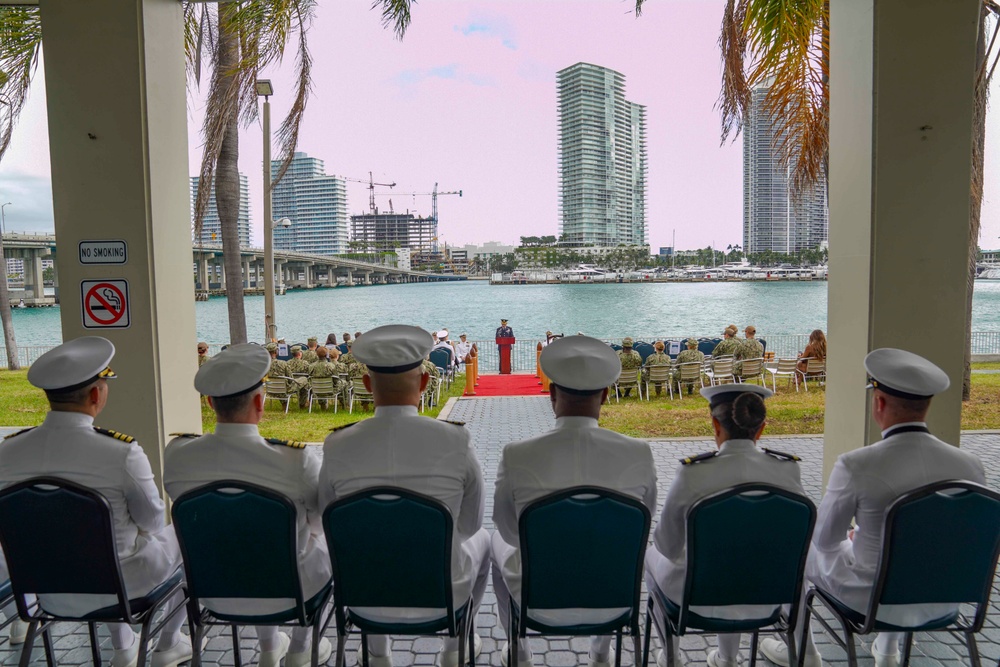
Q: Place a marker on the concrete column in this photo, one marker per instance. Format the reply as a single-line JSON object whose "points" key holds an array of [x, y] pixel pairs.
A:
{"points": [[222, 273], [307, 275], [203, 272], [279, 273], [367, 280], [55, 276], [331, 277], [117, 123], [350, 278], [901, 92], [246, 274]]}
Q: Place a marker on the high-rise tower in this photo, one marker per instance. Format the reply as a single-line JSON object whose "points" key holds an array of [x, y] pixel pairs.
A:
{"points": [[772, 218], [211, 228], [602, 159], [315, 203]]}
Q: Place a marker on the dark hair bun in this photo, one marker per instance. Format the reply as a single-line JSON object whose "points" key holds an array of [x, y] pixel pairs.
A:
{"points": [[748, 411]]}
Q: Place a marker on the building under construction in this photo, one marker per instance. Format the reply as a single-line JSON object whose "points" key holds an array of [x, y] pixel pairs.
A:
{"points": [[385, 231]]}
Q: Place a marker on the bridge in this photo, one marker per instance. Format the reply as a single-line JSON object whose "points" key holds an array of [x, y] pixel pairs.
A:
{"points": [[292, 270]]}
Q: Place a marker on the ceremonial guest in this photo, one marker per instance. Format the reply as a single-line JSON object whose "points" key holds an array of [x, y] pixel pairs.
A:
{"points": [[738, 419], [441, 342], [576, 453], [463, 348], [629, 360], [658, 358], [233, 382], [67, 445], [864, 482], [504, 331], [398, 447], [279, 367], [297, 366], [729, 343], [691, 354], [749, 348], [309, 354], [202, 353], [327, 368]]}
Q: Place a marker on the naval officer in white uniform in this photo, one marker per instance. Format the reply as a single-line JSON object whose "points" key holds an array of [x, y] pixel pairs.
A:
{"points": [[233, 382], [864, 482], [738, 419], [576, 453], [398, 447], [75, 378]]}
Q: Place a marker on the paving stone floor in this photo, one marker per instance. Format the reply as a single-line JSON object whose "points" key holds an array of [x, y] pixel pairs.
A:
{"points": [[497, 421]]}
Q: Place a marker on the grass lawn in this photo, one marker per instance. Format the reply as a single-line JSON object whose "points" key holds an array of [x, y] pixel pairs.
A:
{"points": [[788, 412]]}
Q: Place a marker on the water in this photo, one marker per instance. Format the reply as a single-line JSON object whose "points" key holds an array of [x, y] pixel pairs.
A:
{"points": [[475, 307]]}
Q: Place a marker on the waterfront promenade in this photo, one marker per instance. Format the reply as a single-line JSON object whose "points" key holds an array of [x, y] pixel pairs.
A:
{"points": [[497, 421]]}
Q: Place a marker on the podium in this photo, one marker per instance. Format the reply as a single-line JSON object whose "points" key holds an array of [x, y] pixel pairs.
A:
{"points": [[504, 344]]}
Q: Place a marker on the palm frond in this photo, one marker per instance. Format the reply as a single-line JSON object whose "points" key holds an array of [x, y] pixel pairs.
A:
{"points": [[288, 135], [20, 41], [734, 99], [396, 14]]}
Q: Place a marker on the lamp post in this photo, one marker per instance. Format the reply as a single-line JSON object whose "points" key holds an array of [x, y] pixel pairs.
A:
{"points": [[265, 90], [3, 217], [5, 316]]}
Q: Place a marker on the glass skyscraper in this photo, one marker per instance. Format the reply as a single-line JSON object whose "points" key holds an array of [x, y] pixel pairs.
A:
{"points": [[602, 159], [211, 229], [315, 203], [772, 218]]}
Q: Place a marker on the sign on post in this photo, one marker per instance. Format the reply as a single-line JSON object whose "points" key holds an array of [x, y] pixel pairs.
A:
{"points": [[105, 304], [103, 252]]}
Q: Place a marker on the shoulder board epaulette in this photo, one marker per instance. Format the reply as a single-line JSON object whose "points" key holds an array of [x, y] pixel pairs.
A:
{"points": [[295, 444], [781, 455], [688, 460], [23, 430], [456, 423], [184, 435], [114, 434], [342, 427]]}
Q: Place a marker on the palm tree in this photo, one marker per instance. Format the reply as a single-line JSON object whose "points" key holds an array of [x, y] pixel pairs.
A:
{"points": [[239, 40]]}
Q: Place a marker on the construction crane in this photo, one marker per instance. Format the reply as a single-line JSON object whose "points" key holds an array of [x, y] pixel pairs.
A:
{"points": [[433, 195], [371, 188]]}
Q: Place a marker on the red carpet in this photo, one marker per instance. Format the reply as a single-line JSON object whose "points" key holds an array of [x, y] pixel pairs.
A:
{"points": [[508, 385]]}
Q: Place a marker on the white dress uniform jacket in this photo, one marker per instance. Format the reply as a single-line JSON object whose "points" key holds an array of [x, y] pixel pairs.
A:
{"points": [[462, 350], [576, 453], [238, 452], [398, 447], [862, 485], [67, 446], [738, 462]]}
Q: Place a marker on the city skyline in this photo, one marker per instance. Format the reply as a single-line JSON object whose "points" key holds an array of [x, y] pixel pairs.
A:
{"points": [[316, 205], [467, 99], [211, 227]]}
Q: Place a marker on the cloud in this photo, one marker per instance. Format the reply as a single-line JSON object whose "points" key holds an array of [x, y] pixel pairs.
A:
{"points": [[413, 77], [490, 27], [31, 202]]}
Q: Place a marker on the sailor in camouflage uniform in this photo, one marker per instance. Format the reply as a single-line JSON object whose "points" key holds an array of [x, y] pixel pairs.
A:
{"points": [[296, 367], [658, 358], [630, 360], [236, 451], [279, 367], [691, 354], [325, 368], [310, 354], [434, 382], [68, 445], [347, 358], [750, 348], [728, 344]]}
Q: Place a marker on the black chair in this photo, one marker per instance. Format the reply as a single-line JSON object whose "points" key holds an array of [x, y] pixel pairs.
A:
{"points": [[644, 349], [58, 538], [746, 545], [940, 545], [444, 360], [240, 540], [582, 534], [392, 548]]}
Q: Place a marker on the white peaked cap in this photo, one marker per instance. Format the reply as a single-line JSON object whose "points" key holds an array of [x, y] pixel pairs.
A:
{"points": [[394, 348], [236, 370], [581, 363], [727, 393], [904, 374], [74, 364]]}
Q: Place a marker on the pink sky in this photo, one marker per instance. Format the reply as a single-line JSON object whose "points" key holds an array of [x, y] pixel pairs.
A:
{"points": [[468, 99]]}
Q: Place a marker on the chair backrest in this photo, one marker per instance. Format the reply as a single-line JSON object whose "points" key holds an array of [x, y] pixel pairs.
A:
{"points": [[814, 365], [752, 366], [238, 540], [58, 537], [786, 366], [358, 388], [441, 358], [722, 365], [690, 370], [321, 385], [390, 548], [707, 345], [773, 528], [343, 348], [659, 373], [928, 532], [644, 349], [583, 534], [278, 385], [628, 376]]}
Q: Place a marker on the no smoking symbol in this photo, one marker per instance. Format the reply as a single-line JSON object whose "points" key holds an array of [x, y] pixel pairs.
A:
{"points": [[105, 304]]}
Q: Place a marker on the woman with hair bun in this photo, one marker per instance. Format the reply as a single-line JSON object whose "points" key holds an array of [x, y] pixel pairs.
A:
{"points": [[738, 418]]}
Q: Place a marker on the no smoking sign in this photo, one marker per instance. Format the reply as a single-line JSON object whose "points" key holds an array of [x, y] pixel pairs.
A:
{"points": [[105, 304]]}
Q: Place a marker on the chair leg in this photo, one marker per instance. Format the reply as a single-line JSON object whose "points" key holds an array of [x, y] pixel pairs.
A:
{"points": [[907, 645], [970, 640], [50, 654], [95, 646], [618, 648], [29, 644], [754, 637], [793, 658], [636, 644], [670, 649], [195, 631], [315, 639], [237, 657], [649, 635], [364, 649], [341, 649], [144, 641], [463, 637], [852, 652]]}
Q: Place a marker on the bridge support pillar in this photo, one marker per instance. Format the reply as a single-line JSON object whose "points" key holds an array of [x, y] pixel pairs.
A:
{"points": [[331, 277], [350, 278], [307, 275], [33, 284], [246, 274], [127, 92], [203, 272], [367, 280]]}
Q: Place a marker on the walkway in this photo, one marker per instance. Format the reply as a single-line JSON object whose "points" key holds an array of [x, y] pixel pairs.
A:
{"points": [[515, 384], [497, 421]]}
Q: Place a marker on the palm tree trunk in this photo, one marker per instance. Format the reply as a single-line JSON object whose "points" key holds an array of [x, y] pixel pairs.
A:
{"points": [[6, 317], [976, 191], [227, 181]]}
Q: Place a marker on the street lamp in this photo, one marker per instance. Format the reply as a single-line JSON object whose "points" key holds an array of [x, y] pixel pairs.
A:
{"points": [[265, 90], [3, 217]]}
